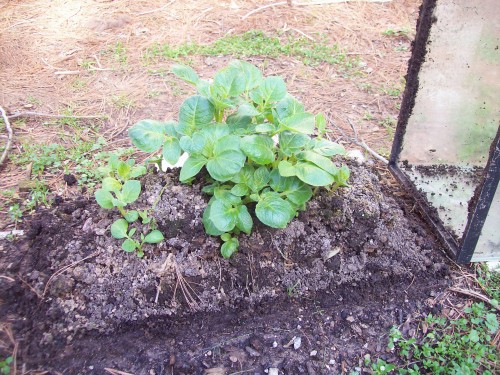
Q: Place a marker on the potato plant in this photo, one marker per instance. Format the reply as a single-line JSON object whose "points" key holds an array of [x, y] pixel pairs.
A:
{"points": [[263, 152]]}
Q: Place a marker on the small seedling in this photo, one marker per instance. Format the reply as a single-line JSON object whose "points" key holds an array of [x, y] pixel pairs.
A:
{"points": [[5, 365], [119, 230], [16, 213]]}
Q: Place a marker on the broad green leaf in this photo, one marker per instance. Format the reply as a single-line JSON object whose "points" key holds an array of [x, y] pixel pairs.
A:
{"points": [[147, 135], [130, 191], [244, 176], [252, 75], [227, 159], [171, 128], [229, 82], [286, 169], [196, 111], [111, 184], [290, 142], [244, 221], [118, 202], [227, 196], [192, 145], [213, 135], [132, 232], [131, 216], [119, 228], [154, 236], [272, 90], [123, 170], [223, 215], [104, 198], [210, 228], [191, 167], [321, 123], [240, 190], [288, 107], [225, 165], [229, 248], [185, 73], [129, 245], [321, 161], [301, 123], [258, 148], [225, 237], [274, 211], [313, 175], [295, 190], [204, 88], [260, 179], [327, 148], [172, 150], [265, 128], [247, 110], [138, 171]]}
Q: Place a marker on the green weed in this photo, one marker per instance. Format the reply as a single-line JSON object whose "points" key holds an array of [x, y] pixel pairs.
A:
{"points": [[257, 43]]}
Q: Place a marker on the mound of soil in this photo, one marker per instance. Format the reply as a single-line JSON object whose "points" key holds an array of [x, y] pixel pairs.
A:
{"points": [[312, 298]]}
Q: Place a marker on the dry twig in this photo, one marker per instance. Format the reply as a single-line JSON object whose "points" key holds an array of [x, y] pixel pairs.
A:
{"points": [[38, 114], [116, 372], [474, 294], [9, 135]]}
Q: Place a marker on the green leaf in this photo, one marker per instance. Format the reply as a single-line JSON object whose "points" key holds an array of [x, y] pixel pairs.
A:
{"points": [[491, 322], [286, 169], [212, 136], [204, 88], [240, 124], [319, 160], [154, 236], [227, 196], [240, 190], [130, 191], [132, 232], [229, 248], [138, 171], [261, 177], [210, 228], [258, 148], [301, 123], [265, 128], [247, 110], [196, 111], [227, 159], [223, 215], [290, 142], [288, 107], [172, 150], [295, 190], [131, 216], [129, 245], [272, 90], [321, 123], [111, 184], [225, 237], [191, 167], [244, 176], [185, 73], [473, 335], [313, 175], [229, 82], [252, 76], [147, 135], [244, 221], [119, 228], [274, 211], [327, 148], [123, 170], [104, 198]]}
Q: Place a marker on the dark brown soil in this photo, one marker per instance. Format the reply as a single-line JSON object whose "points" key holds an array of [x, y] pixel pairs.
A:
{"points": [[336, 279]]}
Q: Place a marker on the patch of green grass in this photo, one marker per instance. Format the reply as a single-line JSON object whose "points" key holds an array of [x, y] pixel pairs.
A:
{"points": [[404, 32], [122, 101], [389, 123], [32, 100], [120, 53], [257, 43]]}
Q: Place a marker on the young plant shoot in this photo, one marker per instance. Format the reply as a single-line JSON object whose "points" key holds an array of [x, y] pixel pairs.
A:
{"points": [[263, 152]]}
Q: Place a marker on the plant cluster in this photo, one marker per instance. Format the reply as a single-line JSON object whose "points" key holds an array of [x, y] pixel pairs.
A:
{"points": [[120, 189], [255, 142], [461, 346], [5, 365]]}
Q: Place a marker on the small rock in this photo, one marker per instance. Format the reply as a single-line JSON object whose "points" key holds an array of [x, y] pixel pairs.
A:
{"points": [[256, 343], [297, 343], [344, 314], [350, 319], [100, 231], [332, 362], [252, 352], [273, 371], [313, 353], [275, 344], [233, 359]]}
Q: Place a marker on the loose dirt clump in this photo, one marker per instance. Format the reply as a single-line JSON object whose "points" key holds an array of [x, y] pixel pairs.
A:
{"points": [[311, 298]]}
